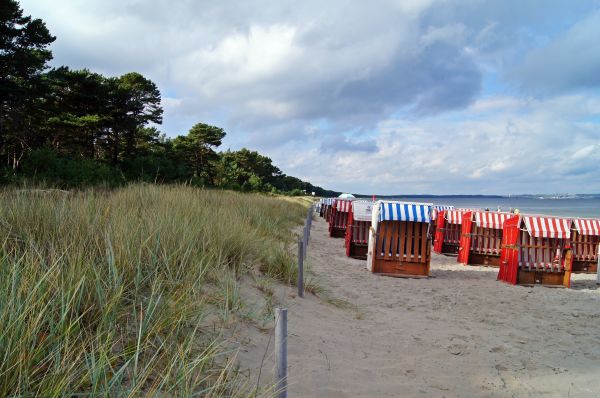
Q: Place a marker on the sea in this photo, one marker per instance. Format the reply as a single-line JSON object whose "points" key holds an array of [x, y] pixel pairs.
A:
{"points": [[566, 207]]}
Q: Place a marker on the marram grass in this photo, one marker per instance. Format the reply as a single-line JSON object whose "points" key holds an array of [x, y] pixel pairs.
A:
{"points": [[113, 293]]}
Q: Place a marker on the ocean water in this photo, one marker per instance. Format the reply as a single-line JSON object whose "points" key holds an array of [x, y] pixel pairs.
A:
{"points": [[551, 207]]}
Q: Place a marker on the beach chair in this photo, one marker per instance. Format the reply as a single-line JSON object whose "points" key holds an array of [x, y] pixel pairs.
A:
{"points": [[536, 250], [447, 233], [435, 209], [481, 238], [326, 208], [399, 242], [338, 218], [585, 239], [357, 230]]}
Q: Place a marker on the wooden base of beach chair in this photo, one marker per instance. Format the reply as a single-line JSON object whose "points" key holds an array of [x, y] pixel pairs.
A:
{"points": [[450, 249], [543, 278], [486, 260], [546, 286], [337, 233], [405, 276], [400, 268], [358, 251], [584, 267]]}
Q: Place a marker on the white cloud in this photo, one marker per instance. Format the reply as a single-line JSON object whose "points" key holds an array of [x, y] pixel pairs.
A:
{"points": [[240, 59], [390, 97], [517, 149]]}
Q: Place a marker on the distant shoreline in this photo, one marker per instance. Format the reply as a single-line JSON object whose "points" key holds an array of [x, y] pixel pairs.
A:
{"points": [[523, 196]]}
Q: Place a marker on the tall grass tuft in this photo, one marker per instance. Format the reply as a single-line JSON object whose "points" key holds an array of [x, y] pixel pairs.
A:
{"points": [[114, 293]]}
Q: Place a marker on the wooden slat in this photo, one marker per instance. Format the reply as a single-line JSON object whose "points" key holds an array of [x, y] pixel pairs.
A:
{"points": [[418, 234], [402, 239], [391, 237], [383, 244], [380, 240], [394, 240], [423, 251], [415, 241], [406, 249], [410, 242], [407, 241]]}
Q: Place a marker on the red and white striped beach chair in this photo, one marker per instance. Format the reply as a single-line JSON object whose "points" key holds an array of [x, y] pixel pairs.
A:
{"points": [[326, 208], [585, 239], [481, 238], [435, 210], [357, 230], [536, 250], [447, 233], [338, 219]]}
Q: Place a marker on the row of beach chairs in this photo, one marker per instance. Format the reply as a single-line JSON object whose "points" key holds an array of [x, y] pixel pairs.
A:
{"points": [[396, 239]]}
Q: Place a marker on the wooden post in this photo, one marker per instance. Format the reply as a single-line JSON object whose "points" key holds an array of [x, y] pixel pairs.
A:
{"points": [[300, 268], [281, 352], [305, 239], [306, 232]]}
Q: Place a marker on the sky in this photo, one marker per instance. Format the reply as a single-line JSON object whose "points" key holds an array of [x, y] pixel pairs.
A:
{"points": [[378, 97]]}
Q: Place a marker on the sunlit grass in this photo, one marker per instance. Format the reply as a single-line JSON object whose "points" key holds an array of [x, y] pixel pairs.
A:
{"points": [[116, 293]]}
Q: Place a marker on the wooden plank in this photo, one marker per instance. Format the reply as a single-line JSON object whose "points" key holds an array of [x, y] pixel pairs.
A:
{"points": [[390, 241], [486, 260], [385, 241], [410, 240], [404, 276], [400, 268], [407, 241], [394, 239], [414, 242], [423, 251], [414, 247], [402, 240], [379, 241]]}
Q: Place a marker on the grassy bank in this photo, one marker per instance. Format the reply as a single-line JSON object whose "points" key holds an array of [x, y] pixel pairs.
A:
{"points": [[120, 293]]}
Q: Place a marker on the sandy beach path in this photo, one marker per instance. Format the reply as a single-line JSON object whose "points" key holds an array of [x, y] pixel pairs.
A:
{"points": [[459, 333]]}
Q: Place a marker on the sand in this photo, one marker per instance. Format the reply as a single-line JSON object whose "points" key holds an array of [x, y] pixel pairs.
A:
{"points": [[459, 333]]}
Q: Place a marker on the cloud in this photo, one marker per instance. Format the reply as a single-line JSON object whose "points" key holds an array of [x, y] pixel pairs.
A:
{"points": [[240, 59], [308, 63], [529, 148], [394, 96], [339, 143]]}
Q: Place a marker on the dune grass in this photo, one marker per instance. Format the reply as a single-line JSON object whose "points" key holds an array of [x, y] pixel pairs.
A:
{"points": [[117, 293]]}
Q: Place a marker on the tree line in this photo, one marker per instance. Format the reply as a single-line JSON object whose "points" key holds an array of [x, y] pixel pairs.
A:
{"points": [[74, 128]]}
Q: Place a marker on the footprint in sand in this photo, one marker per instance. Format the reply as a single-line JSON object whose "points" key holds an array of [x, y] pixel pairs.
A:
{"points": [[457, 349]]}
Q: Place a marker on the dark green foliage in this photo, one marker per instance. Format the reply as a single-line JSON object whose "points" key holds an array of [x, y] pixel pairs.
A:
{"points": [[47, 166], [197, 149], [23, 56], [75, 128]]}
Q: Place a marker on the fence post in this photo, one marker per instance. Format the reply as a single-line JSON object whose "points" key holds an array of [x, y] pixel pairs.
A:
{"points": [[300, 268], [281, 352], [305, 240], [306, 232]]}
